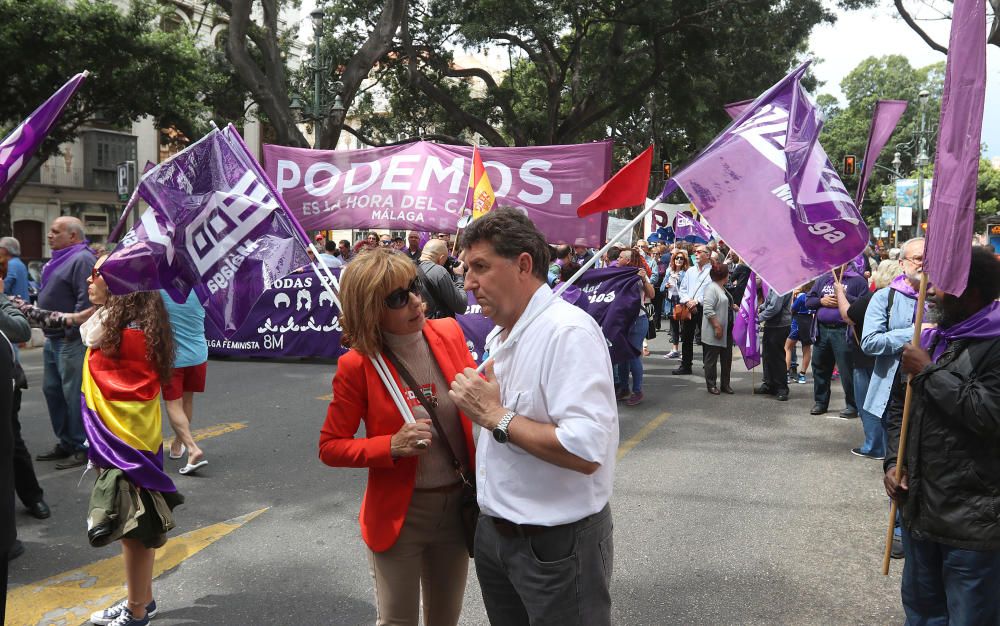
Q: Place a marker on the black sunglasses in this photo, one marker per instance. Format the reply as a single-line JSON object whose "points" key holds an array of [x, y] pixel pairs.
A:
{"points": [[401, 297]]}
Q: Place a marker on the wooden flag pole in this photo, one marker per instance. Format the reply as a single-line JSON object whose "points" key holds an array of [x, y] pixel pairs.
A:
{"points": [[901, 450]]}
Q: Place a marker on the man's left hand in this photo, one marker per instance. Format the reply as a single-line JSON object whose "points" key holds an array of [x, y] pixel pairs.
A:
{"points": [[477, 397], [915, 359]]}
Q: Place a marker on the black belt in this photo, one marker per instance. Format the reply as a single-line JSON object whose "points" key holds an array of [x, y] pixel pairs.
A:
{"points": [[509, 529]]}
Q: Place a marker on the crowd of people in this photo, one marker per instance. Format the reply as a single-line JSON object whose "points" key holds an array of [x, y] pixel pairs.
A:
{"points": [[854, 325], [541, 537]]}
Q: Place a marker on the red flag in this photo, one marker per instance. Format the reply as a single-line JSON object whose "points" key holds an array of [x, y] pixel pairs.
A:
{"points": [[626, 188]]}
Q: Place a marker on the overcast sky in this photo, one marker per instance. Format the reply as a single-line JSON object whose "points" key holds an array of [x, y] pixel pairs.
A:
{"points": [[876, 32]]}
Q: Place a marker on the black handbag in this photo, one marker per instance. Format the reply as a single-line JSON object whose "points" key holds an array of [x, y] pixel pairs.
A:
{"points": [[651, 329], [468, 503]]}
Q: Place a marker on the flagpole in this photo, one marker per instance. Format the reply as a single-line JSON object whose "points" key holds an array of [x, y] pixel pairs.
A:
{"points": [[901, 449], [565, 285]]}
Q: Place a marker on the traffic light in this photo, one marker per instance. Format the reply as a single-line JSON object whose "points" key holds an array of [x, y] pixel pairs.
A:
{"points": [[850, 165], [666, 170]]}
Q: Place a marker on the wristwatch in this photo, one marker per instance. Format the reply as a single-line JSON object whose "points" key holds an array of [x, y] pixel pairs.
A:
{"points": [[500, 430]]}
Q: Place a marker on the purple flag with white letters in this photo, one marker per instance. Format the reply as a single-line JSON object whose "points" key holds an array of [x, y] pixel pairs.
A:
{"points": [[687, 228], [20, 145], [745, 325], [214, 225], [614, 298], [611, 296], [767, 187]]}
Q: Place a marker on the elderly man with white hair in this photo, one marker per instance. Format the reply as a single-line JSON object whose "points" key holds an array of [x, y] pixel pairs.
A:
{"points": [[16, 281]]}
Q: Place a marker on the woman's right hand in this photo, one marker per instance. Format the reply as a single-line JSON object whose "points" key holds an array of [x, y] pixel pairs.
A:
{"points": [[411, 439]]}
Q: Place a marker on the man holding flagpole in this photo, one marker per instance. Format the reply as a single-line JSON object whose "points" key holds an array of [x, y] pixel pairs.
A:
{"points": [[951, 476], [692, 290], [546, 452]]}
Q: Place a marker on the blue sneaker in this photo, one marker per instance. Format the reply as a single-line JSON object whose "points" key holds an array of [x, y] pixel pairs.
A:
{"points": [[112, 616], [802, 379]]}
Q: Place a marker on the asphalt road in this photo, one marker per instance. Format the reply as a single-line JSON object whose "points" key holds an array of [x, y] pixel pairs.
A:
{"points": [[728, 510]]}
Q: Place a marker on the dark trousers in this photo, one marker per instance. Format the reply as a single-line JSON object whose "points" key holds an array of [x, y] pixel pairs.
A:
{"points": [[687, 337], [658, 299], [773, 358], [25, 482], [558, 577], [943, 585], [713, 354], [831, 347]]}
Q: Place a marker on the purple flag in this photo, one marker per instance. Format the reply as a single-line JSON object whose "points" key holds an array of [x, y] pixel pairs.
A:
{"points": [[214, 225], [956, 168], [613, 297], [745, 325], [884, 120], [767, 187], [19, 146], [687, 228], [423, 186]]}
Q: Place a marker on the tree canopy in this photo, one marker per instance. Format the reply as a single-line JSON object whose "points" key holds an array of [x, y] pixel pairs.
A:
{"points": [[136, 70]]}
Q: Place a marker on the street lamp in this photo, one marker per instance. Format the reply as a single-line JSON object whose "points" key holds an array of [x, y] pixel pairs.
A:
{"points": [[319, 110], [919, 143], [922, 158]]}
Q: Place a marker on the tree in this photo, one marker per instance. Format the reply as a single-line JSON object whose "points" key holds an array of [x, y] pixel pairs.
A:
{"points": [[584, 70], [941, 9], [136, 70], [258, 53]]}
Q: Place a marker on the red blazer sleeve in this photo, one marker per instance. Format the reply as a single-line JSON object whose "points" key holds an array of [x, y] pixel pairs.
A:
{"points": [[338, 446]]}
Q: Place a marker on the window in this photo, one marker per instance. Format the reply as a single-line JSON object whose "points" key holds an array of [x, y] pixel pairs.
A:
{"points": [[102, 152]]}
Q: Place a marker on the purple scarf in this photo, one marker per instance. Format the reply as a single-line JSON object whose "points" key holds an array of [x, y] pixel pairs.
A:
{"points": [[985, 324], [903, 285], [59, 258]]}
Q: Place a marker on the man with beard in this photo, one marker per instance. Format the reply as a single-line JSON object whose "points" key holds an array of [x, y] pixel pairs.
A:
{"points": [[948, 493]]}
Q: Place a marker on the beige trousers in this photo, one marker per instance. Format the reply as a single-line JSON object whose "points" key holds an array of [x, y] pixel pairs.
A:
{"points": [[429, 561]]}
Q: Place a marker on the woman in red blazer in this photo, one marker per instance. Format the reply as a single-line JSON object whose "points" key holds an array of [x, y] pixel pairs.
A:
{"points": [[410, 518]]}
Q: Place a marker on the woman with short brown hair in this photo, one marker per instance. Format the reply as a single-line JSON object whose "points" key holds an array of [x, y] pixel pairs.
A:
{"points": [[410, 515]]}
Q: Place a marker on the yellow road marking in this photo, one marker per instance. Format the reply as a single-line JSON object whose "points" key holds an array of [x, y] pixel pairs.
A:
{"points": [[327, 398], [70, 597], [637, 438], [209, 432]]}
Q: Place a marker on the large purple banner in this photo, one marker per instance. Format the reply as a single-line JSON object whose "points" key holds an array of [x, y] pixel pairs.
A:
{"points": [[422, 186], [767, 187], [296, 317]]}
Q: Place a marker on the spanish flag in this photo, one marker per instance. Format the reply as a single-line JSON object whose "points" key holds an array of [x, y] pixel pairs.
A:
{"points": [[121, 413], [480, 198]]}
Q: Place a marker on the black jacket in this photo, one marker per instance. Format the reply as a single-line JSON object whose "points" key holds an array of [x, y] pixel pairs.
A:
{"points": [[953, 448]]}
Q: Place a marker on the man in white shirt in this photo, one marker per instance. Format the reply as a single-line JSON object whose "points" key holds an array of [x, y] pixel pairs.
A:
{"points": [[545, 457], [692, 289], [332, 255]]}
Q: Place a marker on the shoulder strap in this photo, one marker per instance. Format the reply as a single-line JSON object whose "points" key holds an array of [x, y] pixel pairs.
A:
{"points": [[415, 388], [888, 307]]}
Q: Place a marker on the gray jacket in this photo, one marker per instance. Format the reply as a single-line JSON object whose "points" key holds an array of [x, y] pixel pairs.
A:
{"points": [[13, 323], [777, 310], [716, 304], [444, 298]]}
